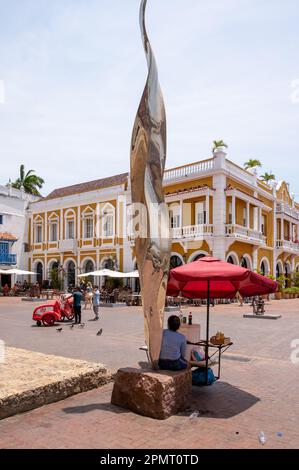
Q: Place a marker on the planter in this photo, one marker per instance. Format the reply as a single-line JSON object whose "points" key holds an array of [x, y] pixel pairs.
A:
{"points": [[278, 295], [285, 296]]}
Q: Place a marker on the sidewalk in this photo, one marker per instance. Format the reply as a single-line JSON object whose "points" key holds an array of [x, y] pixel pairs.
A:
{"points": [[260, 395]]}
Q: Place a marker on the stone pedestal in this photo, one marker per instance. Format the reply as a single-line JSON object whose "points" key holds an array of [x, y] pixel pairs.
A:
{"points": [[157, 394]]}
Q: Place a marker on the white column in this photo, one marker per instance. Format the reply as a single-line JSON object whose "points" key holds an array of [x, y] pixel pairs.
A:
{"points": [[219, 216], [61, 237], [254, 258], [207, 209], [98, 213], [181, 213], [46, 227], [248, 215], [260, 219], [31, 232], [281, 228], [233, 210], [79, 224]]}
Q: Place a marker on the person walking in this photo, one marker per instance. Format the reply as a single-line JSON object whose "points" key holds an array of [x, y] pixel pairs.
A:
{"points": [[77, 296], [96, 302]]}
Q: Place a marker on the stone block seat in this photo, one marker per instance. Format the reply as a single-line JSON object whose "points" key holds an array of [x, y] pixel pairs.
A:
{"points": [[156, 394]]}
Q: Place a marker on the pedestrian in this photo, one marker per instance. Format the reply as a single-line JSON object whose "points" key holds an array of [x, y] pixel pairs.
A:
{"points": [[88, 296], [96, 302], [77, 296], [6, 290]]}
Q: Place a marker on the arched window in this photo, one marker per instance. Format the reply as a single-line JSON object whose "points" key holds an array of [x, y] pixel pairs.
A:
{"points": [[244, 263], [89, 266], [230, 260], [70, 224], [263, 268], [277, 271], [53, 227], [108, 221], [108, 264], [198, 257], [88, 223], [71, 273], [39, 273], [175, 261]]}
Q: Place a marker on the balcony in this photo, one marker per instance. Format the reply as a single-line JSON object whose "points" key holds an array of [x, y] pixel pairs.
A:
{"points": [[246, 234], [188, 171], [192, 232], [288, 246], [7, 258], [286, 209], [68, 245]]}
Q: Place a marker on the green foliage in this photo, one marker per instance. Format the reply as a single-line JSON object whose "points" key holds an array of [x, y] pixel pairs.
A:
{"points": [[217, 144], [281, 282], [268, 177], [252, 163], [291, 290], [29, 181], [54, 276]]}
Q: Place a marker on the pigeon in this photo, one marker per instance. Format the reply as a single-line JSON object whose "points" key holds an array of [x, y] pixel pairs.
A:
{"points": [[59, 330], [72, 326], [100, 332], [82, 325]]}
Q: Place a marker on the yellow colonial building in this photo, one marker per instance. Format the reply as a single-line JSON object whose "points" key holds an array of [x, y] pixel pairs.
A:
{"points": [[215, 207]]}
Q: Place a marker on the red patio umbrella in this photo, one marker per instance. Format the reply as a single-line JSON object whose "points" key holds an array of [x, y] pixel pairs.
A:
{"points": [[210, 278]]}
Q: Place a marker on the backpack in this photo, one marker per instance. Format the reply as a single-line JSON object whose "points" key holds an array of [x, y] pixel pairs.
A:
{"points": [[199, 376]]}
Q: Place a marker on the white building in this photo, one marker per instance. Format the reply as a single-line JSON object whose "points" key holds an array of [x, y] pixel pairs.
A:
{"points": [[14, 250]]}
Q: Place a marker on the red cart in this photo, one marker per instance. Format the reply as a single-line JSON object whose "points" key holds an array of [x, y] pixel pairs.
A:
{"points": [[52, 312]]}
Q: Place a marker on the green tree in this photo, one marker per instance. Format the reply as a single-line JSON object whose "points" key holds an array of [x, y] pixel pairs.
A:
{"points": [[252, 163], [268, 177], [217, 144], [29, 181]]}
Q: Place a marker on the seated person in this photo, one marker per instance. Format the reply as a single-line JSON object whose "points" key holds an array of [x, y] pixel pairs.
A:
{"points": [[173, 347]]}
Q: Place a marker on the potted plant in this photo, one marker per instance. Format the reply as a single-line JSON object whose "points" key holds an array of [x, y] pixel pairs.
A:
{"points": [[219, 146], [281, 283], [286, 293]]}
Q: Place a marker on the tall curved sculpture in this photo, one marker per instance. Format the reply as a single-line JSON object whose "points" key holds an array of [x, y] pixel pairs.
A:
{"points": [[148, 155]]}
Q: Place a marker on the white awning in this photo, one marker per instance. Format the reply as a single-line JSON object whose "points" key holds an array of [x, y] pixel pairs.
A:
{"points": [[18, 272], [110, 273]]}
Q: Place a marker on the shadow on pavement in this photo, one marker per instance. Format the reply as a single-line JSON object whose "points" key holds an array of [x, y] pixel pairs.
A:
{"points": [[220, 400], [95, 407]]}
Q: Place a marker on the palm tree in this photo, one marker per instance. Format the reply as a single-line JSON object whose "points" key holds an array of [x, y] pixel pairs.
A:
{"points": [[268, 177], [217, 144], [252, 163], [29, 181]]}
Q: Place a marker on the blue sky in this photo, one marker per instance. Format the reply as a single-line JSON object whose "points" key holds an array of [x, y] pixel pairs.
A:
{"points": [[74, 72]]}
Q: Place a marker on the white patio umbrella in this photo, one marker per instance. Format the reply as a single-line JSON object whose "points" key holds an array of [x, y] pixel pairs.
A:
{"points": [[132, 274], [20, 272], [102, 272]]}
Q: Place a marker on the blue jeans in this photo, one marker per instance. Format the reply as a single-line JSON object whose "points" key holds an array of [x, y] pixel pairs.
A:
{"points": [[168, 364]]}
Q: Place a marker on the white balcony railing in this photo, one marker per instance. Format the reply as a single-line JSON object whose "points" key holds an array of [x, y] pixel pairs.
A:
{"points": [[286, 209], [192, 231], [288, 245], [68, 245], [188, 170], [245, 233]]}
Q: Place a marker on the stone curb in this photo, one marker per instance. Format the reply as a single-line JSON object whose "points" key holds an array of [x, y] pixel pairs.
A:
{"points": [[55, 391]]}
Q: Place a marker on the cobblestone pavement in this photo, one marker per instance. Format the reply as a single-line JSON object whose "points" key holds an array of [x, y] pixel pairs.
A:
{"points": [[257, 391]]}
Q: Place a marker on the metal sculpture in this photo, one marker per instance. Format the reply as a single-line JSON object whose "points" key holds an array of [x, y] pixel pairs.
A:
{"points": [[148, 155]]}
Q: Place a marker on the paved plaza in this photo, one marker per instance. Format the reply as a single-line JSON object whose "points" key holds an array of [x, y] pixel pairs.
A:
{"points": [[257, 391]]}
